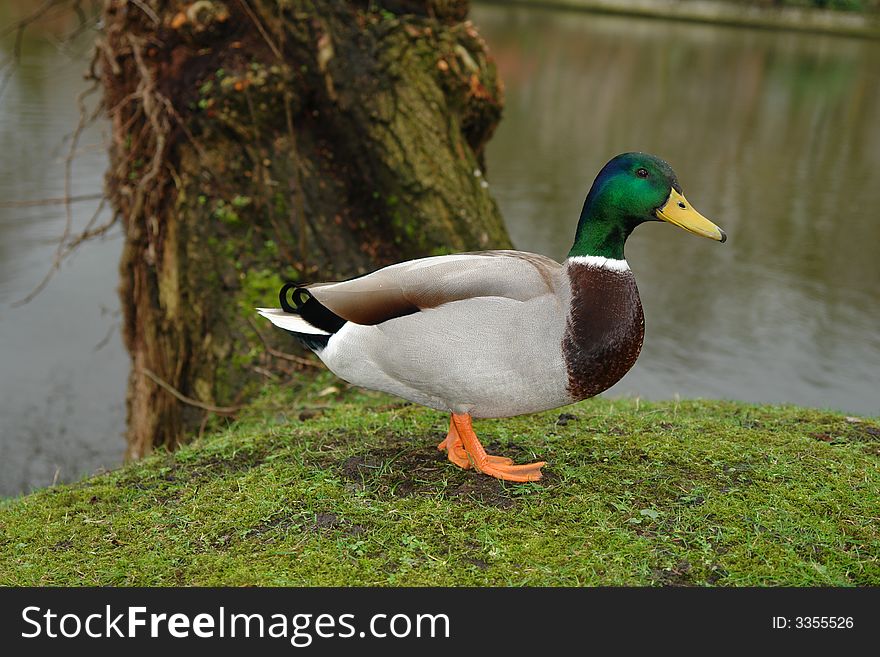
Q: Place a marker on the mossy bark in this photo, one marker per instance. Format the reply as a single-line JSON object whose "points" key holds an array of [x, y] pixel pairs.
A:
{"points": [[256, 141]]}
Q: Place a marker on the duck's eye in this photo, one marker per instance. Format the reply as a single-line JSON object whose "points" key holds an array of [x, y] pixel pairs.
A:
{"points": [[642, 172]]}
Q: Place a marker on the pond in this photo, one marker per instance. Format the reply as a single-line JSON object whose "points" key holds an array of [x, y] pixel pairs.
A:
{"points": [[62, 398], [775, 137]]}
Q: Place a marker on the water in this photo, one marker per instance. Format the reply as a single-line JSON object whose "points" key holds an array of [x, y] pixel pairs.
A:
{"points": [[62, 402], [774, 136]]}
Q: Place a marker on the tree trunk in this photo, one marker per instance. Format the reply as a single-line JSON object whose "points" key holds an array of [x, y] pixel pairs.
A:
{"points": [[257, 141]]}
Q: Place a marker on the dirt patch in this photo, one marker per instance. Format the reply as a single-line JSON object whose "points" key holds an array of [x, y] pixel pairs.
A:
{"points": [[363, 467], [277, 524], [178, 473], [483, 489], [565, 418], [678, 575], [684, 573], [323, 521], [326, 521], [219, 465], [405, 472], [863, 433], [479, 564], [838, 434]]}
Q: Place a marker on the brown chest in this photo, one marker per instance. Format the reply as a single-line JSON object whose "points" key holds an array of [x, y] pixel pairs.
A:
{"points": [[605, 328]]}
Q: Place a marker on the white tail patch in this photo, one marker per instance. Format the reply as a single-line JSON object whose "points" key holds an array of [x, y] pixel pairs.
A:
{"points": [[289, 321]]}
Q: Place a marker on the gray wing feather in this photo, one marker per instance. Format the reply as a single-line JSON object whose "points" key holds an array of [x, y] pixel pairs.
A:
{"points": [[415, 285]]}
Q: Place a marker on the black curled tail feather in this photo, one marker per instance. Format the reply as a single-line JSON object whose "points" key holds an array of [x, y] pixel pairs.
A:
{"points": [[309, 308], [282, 296]]}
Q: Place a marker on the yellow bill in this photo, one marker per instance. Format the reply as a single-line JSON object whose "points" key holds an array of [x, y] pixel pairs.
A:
{"points": [[678, 211]]}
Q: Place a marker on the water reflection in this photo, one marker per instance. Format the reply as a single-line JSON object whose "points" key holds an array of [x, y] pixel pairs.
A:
{"points": [[774, 136], [61, 402]]}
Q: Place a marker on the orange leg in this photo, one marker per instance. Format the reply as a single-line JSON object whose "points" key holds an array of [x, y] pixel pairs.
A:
{"points": [[454, 448], [457, 453], [463, 442]]}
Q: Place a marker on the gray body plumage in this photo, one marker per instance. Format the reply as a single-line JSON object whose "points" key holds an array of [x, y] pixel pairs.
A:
{"points": [[474, 333], [490, 346]]}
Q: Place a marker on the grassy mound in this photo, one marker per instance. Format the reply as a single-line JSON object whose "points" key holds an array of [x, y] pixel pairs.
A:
{"points": [[347, 488]]}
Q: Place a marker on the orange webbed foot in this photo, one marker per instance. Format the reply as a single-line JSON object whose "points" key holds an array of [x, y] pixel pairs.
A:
{"points": [[455, 451], [518, 473], [464, 449]]}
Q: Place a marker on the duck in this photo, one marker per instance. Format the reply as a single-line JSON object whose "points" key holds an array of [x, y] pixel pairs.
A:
{"points": [[494, 334]]}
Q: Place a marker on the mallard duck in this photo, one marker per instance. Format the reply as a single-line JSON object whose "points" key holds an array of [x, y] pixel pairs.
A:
{"points": [[498, 333]]}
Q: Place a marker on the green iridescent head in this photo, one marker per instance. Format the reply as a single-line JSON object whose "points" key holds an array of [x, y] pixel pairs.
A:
{"points": [[631, 189]]}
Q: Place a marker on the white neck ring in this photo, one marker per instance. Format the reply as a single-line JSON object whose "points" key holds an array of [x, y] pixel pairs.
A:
{"points": [[600, 262]]}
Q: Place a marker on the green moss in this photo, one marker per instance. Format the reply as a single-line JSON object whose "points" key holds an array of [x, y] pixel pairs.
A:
{"points": [[258, 286], [225, 212], [315, 486]]}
